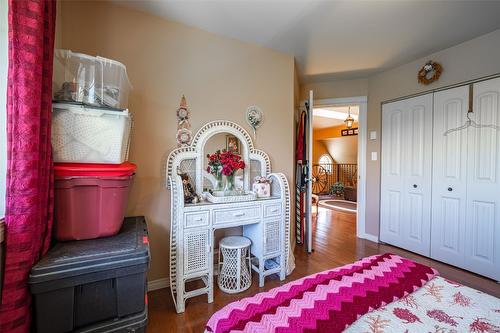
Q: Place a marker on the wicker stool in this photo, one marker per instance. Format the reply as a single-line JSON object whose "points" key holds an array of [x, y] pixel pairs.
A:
{"points": [[235, 271]]}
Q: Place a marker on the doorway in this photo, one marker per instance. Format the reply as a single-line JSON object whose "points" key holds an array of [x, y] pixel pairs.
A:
{"points": [[339, 164]]}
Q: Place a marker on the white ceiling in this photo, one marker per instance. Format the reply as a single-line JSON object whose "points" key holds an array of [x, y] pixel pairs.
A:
{"points": [[337, 116], [337, 39]]}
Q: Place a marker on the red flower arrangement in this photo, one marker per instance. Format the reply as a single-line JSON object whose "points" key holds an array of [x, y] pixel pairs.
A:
{"points": [[224, 162]]}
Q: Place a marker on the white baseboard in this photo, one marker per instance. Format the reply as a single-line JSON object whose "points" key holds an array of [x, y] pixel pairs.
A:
{"points": [[158, 284], [369, 237], [165, 282]]}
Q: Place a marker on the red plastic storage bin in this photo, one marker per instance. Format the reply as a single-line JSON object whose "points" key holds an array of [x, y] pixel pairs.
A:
{"points": [[90, 199]]}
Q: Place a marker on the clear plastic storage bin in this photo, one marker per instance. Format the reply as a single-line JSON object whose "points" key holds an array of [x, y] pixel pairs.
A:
{"points": [[89, 80], [88, 135]]}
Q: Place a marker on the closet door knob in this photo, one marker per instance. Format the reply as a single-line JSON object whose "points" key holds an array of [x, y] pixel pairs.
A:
{"points": [[415, 186], [450, 189]]}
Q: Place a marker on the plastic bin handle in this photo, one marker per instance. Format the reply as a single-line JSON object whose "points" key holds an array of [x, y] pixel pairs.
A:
{"points": [[88, 112]]}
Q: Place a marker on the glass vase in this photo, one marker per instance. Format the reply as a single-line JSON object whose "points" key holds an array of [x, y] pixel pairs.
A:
{"points": [[229, 188], [219, 184]]}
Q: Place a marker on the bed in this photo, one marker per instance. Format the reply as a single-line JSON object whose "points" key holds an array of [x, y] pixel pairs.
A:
{"points": [[378, 294]]}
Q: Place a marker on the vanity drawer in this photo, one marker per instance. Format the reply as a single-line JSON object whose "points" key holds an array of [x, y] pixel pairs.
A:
{"points": [[272, 210], [236, 214], [197, 219]]}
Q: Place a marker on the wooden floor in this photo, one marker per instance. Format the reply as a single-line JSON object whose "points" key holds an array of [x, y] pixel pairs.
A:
{"points": [[335, 244]]}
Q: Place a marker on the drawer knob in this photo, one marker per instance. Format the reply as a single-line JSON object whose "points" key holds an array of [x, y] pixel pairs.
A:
{"points": [[238, 214], [415, 186], [450, 189], [198, 219]]}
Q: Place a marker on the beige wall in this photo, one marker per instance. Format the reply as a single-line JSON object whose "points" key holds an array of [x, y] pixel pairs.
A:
{"points": [[319, 149], [296, 88], [335, 89], [58, 32], [343, 149], [220, 77], [473, 59]]}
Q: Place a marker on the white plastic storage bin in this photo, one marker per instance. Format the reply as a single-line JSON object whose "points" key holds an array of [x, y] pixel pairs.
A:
{"points": [[89, 80], [88, 135]]}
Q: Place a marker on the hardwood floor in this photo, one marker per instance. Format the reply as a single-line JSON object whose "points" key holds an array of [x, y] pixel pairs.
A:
{"points": [[335, 244]]}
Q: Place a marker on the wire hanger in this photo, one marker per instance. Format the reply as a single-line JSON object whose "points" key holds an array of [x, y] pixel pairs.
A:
{"points": [[469, 122]]}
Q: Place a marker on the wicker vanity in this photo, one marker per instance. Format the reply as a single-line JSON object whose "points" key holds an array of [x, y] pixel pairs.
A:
{"points": [[266, 221]]}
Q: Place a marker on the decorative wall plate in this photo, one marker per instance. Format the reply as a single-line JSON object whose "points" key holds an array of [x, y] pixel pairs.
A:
{"points": [[254, 118], [183, 137]]}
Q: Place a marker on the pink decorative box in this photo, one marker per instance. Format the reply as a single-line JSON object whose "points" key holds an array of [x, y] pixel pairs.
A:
{"points": [[263, 190]]}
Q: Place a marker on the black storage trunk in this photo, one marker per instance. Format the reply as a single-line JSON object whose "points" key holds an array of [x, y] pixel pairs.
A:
{"points": [[96, 285], [131, 324]]}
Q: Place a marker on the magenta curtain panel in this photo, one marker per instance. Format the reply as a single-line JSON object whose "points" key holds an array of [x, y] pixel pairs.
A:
{"points": [[29, 197]]}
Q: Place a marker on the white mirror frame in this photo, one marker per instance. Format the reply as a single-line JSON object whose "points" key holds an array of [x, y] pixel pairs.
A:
{"points": [[196, 151]]}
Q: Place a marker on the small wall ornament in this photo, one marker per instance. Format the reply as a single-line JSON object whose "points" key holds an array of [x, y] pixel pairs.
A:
{"points": [[254, 118], [430, 72], [184, 134]]}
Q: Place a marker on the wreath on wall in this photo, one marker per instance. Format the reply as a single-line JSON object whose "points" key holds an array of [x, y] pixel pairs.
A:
{"points": [[430, 72]]}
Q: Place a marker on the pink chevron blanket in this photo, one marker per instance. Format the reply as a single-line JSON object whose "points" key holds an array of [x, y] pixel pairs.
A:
{"points": [[329, 301]]}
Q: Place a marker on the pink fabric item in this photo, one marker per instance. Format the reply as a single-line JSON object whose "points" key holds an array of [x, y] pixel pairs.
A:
{"points": [[326, 302], [29, 198]]}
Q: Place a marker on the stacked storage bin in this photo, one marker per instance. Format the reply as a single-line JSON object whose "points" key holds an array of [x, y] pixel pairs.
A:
{"points": [[94, 279], [91, 129], [90, 199], [96, 285]]}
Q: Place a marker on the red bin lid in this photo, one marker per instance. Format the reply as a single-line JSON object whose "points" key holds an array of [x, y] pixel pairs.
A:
{"points": [[94, 170]]}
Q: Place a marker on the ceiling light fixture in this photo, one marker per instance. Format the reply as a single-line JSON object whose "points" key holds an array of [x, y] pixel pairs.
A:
{"points": [[349, 121]]}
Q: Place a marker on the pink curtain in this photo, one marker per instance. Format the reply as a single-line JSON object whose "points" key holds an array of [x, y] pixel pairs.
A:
{"points": [[29, 198]]}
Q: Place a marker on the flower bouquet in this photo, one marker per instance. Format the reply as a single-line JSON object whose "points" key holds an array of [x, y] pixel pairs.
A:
{"points": [[224, 163]]}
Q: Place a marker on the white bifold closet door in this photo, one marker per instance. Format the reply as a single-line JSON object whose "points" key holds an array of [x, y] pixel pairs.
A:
{"points": [[482, 249], [406, 174], [449, 186], [466, 186]]}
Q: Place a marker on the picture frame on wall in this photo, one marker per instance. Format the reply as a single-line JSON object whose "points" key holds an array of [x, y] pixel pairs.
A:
{"points": [[233, 144], [349, 132]]}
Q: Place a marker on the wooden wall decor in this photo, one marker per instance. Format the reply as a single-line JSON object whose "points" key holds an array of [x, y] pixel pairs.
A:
{"points": [[349, 131], [430, 72], [184, 134]]}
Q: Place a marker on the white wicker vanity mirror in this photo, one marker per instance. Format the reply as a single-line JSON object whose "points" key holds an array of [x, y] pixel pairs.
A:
{"points": [[225, 183], [266, 221]]}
